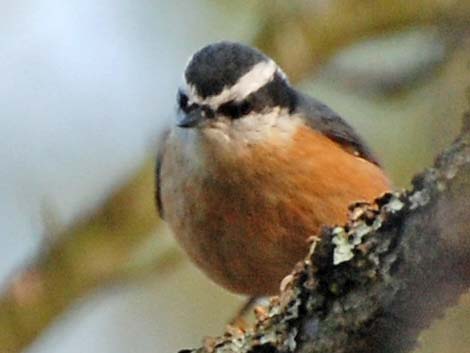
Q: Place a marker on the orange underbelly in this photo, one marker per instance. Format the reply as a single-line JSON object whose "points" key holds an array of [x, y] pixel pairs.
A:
{"points": [[246, 223]]}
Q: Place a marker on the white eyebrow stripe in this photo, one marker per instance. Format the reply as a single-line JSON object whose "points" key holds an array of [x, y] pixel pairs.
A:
{"points": [[259, 75]]}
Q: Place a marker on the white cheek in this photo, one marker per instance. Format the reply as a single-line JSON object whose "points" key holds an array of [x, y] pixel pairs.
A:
{"points": [[274, 126], [287, 125], [236, 136], [218, 131]]}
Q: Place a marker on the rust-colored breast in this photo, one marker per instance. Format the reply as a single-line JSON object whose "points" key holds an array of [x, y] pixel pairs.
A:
{"points": [[245, 221]]}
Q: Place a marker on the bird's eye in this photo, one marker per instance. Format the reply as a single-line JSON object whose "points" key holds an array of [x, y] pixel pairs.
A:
{"points": [[235, 110], [183, 101], [230, 109], [245, 107]]}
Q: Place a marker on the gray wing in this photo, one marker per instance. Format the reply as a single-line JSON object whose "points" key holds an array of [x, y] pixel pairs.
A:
{"points": [[321, 118], [160, 154]]}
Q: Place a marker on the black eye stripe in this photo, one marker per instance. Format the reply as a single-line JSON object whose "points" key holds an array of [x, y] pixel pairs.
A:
{"points": [[235, 110], [245, 107], [209, 113], [229, 109]]}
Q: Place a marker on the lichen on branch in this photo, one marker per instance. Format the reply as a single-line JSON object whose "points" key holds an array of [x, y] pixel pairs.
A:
{"points": [[374, 284]]}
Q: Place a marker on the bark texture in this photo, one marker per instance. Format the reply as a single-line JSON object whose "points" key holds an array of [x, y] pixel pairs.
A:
{"points": [[374, 284]]}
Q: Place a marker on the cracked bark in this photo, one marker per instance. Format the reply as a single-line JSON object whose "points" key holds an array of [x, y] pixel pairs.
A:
{"points": [[400, 264]]}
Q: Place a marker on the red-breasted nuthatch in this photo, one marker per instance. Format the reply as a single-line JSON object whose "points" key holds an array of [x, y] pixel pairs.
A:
{"points": [[253, 168]]}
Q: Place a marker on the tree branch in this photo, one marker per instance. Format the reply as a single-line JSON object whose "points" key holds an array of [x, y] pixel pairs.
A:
{"points": [[374, 284], [100, 248]]}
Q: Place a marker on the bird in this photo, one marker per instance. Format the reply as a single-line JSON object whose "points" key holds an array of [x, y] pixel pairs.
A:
{"points": [[252, 168]]}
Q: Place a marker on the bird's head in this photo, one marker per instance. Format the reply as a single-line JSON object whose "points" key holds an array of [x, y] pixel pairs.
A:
{"points": [[231, 85]]}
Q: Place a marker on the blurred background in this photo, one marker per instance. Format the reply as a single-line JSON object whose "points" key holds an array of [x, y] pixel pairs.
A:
{"points": [[87, 87]]}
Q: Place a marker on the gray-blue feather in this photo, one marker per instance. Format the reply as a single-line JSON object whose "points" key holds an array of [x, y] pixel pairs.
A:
{"points": [[322, 118]]}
